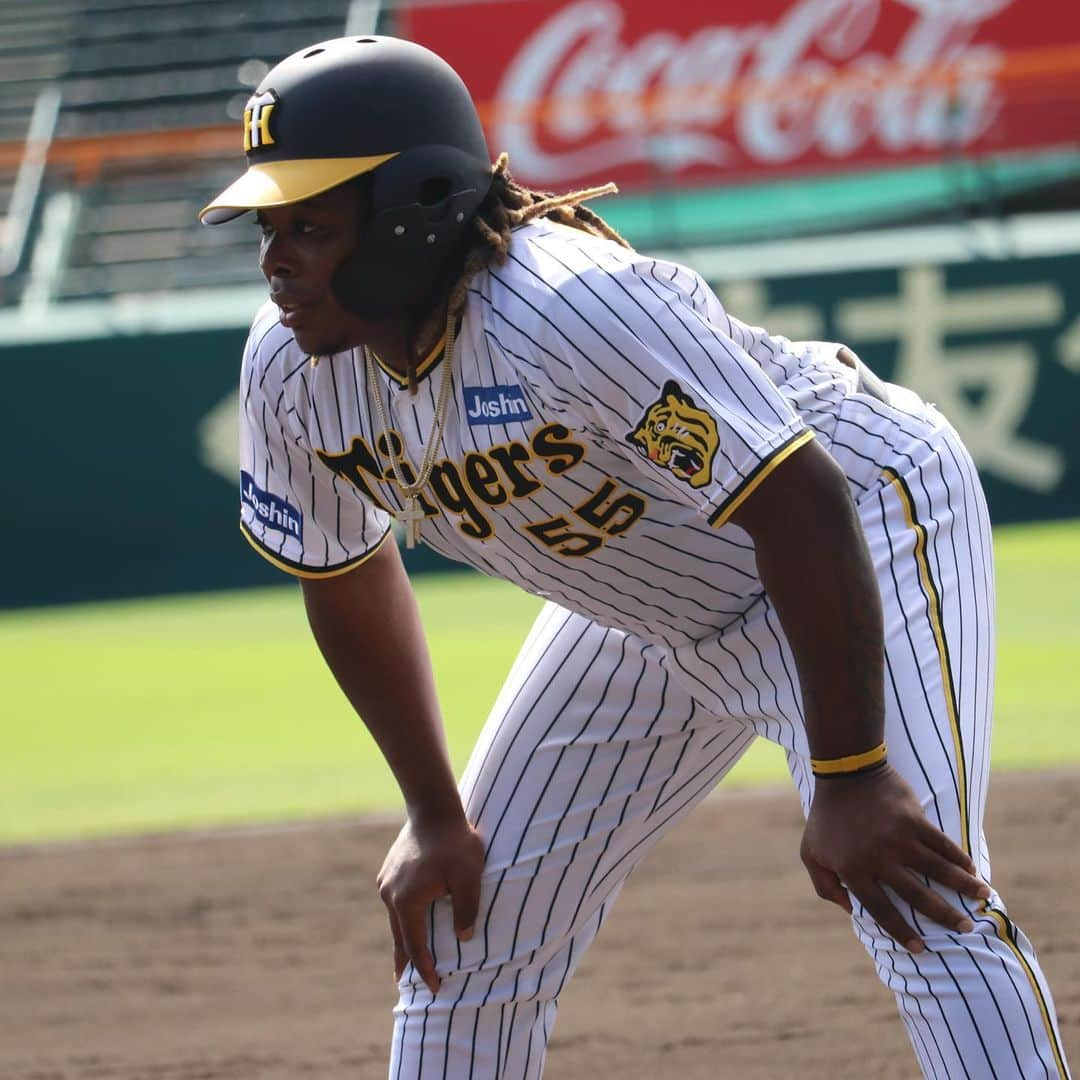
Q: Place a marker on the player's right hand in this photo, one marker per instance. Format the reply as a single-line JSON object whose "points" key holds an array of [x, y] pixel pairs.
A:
{"points": [[429, 860]]}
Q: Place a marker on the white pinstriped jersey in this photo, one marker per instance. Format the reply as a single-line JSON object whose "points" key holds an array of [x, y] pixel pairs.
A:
{"points": [[607, 417]]}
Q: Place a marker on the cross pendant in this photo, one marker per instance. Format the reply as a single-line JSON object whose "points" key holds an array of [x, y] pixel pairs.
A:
{"points": [[411, 516]]}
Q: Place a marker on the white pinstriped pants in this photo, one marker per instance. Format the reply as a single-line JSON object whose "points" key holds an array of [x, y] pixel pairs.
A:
{"points": [[599, 742]]}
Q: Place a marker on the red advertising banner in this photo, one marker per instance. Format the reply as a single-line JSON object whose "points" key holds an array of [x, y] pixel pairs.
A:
{"points": [[646, 93]]}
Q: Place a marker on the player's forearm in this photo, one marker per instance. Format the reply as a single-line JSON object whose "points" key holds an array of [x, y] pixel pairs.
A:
{"points": [[816, 568], [368, 629]]}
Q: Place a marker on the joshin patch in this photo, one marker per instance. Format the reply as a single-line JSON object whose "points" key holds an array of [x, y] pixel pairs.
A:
{"points": [[495, 405], [678, 436], [271, 510]]}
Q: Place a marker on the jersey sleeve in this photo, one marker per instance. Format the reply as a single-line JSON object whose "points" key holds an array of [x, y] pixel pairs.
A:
{"points": [[293, 510], [665, 381]]}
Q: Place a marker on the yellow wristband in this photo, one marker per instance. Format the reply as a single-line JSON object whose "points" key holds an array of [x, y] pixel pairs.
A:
{"points": [[851, 764]]}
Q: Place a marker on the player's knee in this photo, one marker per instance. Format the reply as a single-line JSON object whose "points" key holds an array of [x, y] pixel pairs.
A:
{"points": [[478, 988]]}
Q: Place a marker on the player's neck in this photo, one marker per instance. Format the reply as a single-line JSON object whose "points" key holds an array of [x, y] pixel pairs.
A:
{"points": [[389, 341], [393, 339]]}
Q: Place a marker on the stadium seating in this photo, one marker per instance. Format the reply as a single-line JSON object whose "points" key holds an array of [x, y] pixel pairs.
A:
{"points": [[137, 231], [127, 69], [145, 66], [33, 54]]}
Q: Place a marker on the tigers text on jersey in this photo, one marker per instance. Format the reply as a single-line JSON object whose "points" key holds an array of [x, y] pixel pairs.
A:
{"points": [[607, 417]]}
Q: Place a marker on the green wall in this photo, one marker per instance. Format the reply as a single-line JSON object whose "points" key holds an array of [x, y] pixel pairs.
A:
{"points": [[112, 499]]}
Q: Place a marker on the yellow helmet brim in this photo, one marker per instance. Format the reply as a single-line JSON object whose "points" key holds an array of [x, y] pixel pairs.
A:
{"points": [[281, 183]]}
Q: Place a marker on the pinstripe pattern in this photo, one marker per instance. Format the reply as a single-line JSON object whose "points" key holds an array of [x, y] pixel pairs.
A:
{"points": [[590, 753], [974, 1005]]}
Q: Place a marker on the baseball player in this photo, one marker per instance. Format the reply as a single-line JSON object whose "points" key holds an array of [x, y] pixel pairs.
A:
{"points": [[738, 535]]}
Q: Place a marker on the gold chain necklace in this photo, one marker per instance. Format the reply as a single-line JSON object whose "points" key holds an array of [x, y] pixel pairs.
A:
{"points": [[411, 516]]}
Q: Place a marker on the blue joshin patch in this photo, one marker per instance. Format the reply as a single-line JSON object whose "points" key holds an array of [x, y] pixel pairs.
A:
{"points": [[495, 405], [272, 510]]}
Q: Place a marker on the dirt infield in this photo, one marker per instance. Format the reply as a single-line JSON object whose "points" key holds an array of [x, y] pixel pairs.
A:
{"points": [[264, 954]]}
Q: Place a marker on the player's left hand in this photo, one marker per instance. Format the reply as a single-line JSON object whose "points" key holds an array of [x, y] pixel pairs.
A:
{"points": [[867, 832]]}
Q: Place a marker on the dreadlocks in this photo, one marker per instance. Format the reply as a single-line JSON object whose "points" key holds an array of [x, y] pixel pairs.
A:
{"points": [[509, 204]]}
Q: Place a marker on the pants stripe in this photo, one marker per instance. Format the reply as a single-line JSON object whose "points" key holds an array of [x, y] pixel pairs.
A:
{"points": [[933, 600], [1006, 932], [897, 694], [1004, 928]]}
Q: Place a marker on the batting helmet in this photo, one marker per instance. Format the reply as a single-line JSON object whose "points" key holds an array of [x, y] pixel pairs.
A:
{"points": [[373, 105]]}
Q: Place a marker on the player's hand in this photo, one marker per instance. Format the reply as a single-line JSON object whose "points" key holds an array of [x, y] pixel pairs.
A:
{"points": [[868, 832], [427, 861]]}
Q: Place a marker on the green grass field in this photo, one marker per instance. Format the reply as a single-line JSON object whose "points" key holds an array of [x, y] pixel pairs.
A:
{"points": [[215, 709]]}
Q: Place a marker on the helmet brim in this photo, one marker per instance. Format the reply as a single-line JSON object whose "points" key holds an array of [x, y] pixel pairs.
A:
{"points": [[281, 183]]}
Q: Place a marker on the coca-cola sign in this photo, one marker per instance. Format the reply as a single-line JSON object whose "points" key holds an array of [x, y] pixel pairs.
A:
{"points": [[642, 92]]}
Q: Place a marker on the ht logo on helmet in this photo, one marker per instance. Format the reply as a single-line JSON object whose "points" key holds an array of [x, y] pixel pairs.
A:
{"points": [[257, 115]]}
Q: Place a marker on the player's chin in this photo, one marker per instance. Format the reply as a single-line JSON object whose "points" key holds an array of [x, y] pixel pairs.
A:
{"points": [[319, 340], [320, 327]]}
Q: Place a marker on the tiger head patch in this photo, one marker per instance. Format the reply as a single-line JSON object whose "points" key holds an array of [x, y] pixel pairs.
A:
{"points": [[678, 436]]}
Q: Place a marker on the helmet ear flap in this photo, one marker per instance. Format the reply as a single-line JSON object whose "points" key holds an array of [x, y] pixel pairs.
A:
{"points": [[403, 253], [421, 203]]}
